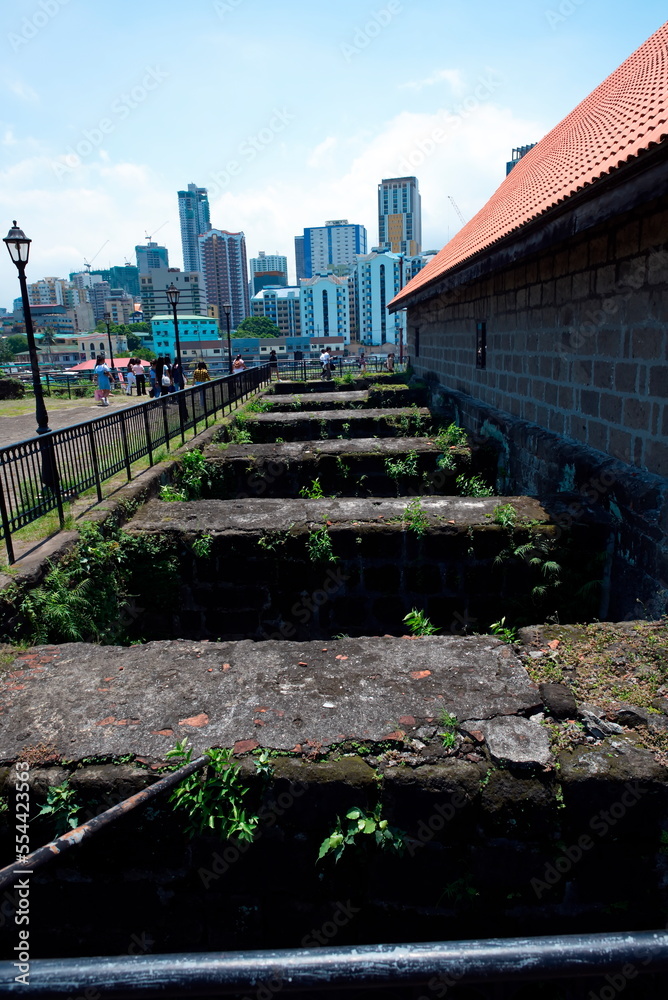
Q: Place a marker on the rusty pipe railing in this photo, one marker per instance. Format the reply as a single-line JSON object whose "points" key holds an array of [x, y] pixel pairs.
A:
{"points": [[28, 864]]}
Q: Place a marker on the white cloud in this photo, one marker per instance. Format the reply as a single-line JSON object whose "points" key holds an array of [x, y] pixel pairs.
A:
{"points": [[451, 76], [467, 161], [317, 156], [24, 92]]}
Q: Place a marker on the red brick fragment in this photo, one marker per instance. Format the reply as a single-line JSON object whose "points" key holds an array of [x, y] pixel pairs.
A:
{"points": [[109, 721], [406, 720], [245, 746], [398, 734], [161, 732], [418, 675], [196, 720]]}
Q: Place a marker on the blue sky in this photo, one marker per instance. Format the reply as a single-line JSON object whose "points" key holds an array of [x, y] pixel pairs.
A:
{"points": [[290, 113]]}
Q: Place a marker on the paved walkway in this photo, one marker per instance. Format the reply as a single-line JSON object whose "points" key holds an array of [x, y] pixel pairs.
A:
{"points": [[13, 429]]}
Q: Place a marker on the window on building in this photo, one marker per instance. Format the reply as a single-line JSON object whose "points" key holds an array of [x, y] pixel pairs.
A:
{"points": [[481, 345]]}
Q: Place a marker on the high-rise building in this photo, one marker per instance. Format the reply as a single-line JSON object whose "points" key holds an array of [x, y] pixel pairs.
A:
{"points": [[153, 291], [281, 305], [400, 215], [225, 267], [324, 305], [335, 244], [268, 262], [266, 270], [151, 257], [378, 277], [194, 219], [299, 258]]}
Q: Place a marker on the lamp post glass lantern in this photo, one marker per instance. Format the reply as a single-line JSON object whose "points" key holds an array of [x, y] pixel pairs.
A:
{"points": [[227, 306], [107, 320], [173, 294], [18, 245]]}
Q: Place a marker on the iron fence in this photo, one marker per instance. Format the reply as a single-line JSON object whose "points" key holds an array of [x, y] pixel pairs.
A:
{"points": [[43, 473], [310, 368]]}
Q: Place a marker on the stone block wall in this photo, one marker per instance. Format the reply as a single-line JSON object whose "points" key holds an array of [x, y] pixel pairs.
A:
{"points": [[577, 339]]}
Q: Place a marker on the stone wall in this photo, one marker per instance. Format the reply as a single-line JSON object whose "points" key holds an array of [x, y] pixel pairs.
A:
{"points": [[577, 338]]}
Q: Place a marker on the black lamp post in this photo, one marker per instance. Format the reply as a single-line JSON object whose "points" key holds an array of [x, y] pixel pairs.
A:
{"points": [[18, 245], [173, 294], [107, 320], [227, 306]]}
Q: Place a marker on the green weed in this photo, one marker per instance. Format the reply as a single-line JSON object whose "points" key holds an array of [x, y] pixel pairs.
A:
{"points": [[505, 632], [505, 515], [312, 492], [419, 624], [62, 807], [360, 823], [319, 545], [415, 518], [201, 546], [212, 800], [473, 486]]}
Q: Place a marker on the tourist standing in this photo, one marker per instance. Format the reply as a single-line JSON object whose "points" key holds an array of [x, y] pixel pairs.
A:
{"points": [[238, 364], [140, 378], [103, 372], [130, 379]]}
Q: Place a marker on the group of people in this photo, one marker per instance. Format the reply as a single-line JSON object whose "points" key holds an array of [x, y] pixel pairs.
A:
{"points": [[326, 362], [164, 376]]}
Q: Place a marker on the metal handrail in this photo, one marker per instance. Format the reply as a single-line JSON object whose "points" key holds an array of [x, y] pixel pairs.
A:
{"points": [[42, 473], [450, 963], [73, 838]]}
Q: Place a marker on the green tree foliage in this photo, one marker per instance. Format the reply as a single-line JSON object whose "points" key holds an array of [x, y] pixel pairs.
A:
{"points": [[144, 353], [257, 326], [6, 352], [17, 343]]}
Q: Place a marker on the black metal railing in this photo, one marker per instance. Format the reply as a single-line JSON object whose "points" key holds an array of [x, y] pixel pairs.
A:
{"points": [[43, 473], [621, 956], [311, 368]]}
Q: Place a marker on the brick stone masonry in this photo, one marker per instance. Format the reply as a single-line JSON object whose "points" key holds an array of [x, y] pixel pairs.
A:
{"points": [[577, 338]]}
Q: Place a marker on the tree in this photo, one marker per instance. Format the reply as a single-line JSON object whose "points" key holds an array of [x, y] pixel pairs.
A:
{"points": [[258, 326], [6, 352], [48, 338], [134, 342], [17, 343], [145, 353]]}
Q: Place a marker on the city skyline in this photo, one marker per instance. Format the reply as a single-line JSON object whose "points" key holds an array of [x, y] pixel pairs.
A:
{"points": [[441, 95]]}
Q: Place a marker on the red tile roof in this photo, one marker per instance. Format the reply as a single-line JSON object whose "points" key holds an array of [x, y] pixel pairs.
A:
{"points": [[623, 117]]}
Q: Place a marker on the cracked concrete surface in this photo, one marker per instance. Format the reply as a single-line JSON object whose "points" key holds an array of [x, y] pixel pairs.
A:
{"points": [[86, 700]]}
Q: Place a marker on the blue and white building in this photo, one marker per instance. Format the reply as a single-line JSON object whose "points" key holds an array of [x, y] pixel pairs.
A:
{"points": [[325, 307], [281, 306], [336, 244], [197, 334]]}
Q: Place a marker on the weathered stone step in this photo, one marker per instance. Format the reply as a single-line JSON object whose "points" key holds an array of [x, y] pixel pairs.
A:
{"points": [[359, 467], [391, 422], [310, 569], [85, 700], [374, 396], [333, 385]]}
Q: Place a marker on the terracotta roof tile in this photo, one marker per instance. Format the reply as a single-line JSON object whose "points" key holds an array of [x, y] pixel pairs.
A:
{"points": [[624, 116]]}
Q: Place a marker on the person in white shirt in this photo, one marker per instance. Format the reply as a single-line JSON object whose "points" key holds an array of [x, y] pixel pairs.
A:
{"points": [[140, 378], [326, 362]]}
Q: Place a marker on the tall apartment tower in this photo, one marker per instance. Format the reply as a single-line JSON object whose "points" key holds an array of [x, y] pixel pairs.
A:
{"points": [[299, 258], [400, 215], [335, 244], [225, 266], [194, 219]]}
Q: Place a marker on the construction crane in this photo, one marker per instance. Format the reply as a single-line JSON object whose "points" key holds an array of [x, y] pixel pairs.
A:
{"points": [[150, 236], [456, 208], [88, 263]]}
